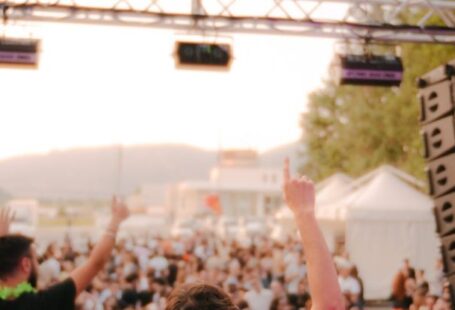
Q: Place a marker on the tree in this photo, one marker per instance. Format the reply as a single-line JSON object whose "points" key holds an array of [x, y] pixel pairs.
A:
{"points": [[354, 129]]}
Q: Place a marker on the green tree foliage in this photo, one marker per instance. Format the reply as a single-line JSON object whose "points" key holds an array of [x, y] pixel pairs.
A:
{"points": [[354, 129]]}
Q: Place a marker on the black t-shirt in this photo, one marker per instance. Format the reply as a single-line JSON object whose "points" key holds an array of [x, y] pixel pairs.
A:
{"points": [[59, 296]]}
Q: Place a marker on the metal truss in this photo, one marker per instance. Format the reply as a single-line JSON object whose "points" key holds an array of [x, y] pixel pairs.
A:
{"points": [[369, 20]]}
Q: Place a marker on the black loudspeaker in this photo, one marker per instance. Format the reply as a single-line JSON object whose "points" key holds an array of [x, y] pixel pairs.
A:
{"points": [[445, 214], [372, 70], [448, 253], [22, 52], [439, 137], [451, 280], [441, 175], [203, 54], [436, 101], [437, 118]]}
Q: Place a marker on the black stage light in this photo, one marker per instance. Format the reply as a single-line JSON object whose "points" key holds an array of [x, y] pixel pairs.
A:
{"points": [[370, 70], [203, 54], [19, 51]]}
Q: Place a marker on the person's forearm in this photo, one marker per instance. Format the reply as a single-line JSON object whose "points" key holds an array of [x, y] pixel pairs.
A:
{"points": [[325, 291], [83, 275], [103, 249]]}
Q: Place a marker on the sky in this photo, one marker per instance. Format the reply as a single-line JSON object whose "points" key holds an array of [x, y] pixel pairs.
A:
{"points": [[104, 85]]}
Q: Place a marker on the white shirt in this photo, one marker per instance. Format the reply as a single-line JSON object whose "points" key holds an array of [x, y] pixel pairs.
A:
{"points": [[49, 270], [201, 252], [259, 300], [158, 263], [292, 276], [349, 285]]}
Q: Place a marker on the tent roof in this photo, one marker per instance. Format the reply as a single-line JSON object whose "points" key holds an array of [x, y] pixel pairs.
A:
{"points": [[333, 188], [336, 177], [390, 194], [386, 192], [330, 191]]}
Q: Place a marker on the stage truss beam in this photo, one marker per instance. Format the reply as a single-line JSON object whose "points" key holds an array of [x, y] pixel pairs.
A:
{"points": [[367, 20]]}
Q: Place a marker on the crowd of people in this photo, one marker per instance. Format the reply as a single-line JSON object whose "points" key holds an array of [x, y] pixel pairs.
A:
{"points": [[265, 274], [141, 273], [202, 272], [412, 290]]}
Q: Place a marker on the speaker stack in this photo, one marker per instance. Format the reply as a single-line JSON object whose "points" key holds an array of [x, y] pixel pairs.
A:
{"points": [[437, 118]]}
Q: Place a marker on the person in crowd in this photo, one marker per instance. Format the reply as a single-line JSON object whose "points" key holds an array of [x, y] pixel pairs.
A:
{"points": [[407, 269], [443, 302], [405, 286], [302, 298], [258, 297], [419, 301], [359, 302], [19, 267], [350, 286], [281, 304], [437, 281], [420, 278], [399, 297]]}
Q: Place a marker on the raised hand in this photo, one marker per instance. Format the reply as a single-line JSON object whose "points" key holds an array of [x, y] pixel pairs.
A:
{"points": [[6, 217], [119, 210], [298, 193]]}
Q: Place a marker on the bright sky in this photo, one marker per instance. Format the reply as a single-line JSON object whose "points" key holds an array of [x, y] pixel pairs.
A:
{"points": [[99, 85]]}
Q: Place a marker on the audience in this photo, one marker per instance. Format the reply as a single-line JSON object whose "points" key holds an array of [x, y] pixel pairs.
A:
{"points": [[198, 272], [411, 290]]}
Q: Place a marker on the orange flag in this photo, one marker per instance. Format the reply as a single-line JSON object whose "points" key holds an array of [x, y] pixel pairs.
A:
{"points": [[213, 203]]}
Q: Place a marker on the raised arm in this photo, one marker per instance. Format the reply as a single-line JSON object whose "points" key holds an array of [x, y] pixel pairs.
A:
{"points": [[83, 275], [6, 217], [322, 277]]}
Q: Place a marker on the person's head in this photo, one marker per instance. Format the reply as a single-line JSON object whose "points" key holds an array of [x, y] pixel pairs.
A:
{"points": [[345, 271], [256, 283], [446, 292], [18, 261], [420, 273], [412, 273], [419, 296], [406, 263], [277, 288], [355, 272], [159, 285], [199, 297], [281, 303]]}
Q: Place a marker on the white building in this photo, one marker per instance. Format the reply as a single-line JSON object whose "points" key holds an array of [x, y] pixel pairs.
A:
{"points": [[238, 183], [25, 219]]}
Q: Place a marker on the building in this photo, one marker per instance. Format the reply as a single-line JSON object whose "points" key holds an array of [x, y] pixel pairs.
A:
{"points": [[25, 220], [237, 187]]}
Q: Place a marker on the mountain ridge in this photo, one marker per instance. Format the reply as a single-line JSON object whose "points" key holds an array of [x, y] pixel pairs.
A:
{"points": [[92, 172]]}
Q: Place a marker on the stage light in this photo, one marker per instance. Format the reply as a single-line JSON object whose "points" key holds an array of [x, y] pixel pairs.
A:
{"points": [[193, 54], [370, 70], [19, 51]]}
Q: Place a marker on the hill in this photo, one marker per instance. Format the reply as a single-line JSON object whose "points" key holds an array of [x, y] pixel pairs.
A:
{"points": [[92, 173]]}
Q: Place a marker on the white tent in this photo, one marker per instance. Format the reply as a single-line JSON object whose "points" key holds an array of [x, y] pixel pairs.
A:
{"points": [[329, 192], [388, 219]]}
